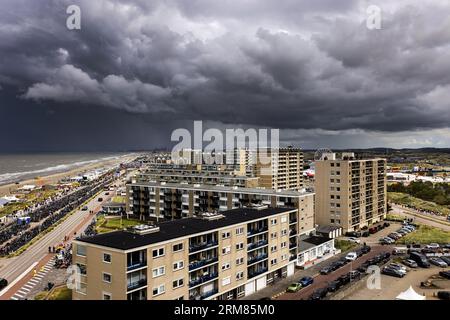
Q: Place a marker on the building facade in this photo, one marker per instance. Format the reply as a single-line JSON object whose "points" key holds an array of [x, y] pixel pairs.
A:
{"points": [[174, 201], [350, 192], [225, 255]]}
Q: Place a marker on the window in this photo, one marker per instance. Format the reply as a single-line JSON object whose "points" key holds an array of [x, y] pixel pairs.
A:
{"points": [[239, 275], [273, 248], [177, 247], [226, 250], [157, 272], [82, 268], [273, 235], [239, 261], [106, 296], [283, 244], [178, 265], [226, 266], [284, 219], [81, 251], [107, 258], [273, 221], [226, 281], [283, 257], [283, 232], [273, 262], [239, 231], [158, 252], [226, 235], [240, 246], [159, 290], [178, 283], [106, 277]]}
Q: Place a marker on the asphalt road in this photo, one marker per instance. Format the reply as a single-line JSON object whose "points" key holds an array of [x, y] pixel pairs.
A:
{"points": [[421, 218], [321, 281]]}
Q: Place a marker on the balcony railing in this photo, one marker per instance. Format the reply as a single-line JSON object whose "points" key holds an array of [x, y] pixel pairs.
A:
{"points": [[255, 273], [256, 231], [203, 279], [255, 245], [257, 258], [201, 246], [137, 284], [204, 295], [292, 245], [198, 264], [136, 265]]}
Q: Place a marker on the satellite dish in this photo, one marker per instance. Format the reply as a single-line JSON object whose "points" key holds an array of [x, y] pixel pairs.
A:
{"points": [[319, 153]]}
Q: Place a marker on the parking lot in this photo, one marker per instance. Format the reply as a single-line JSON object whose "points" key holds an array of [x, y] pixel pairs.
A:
{"points": [[391, 287]]}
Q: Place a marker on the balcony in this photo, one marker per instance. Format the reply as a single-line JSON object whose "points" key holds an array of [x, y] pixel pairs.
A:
{"points": [[201, 246], [256, 245], [136, 265], [137, 284], [203, 296], [257, 258], [203, 279], [256, 231], [255, 273], [292, 245], [198, 264]]}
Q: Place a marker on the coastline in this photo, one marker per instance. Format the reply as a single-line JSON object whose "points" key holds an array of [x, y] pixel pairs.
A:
{"points": [[9, 188]]}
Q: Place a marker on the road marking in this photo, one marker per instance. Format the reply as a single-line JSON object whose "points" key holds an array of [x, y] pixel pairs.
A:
{"points": [[18, 279], [28, 286], [33, 281], [19, 295], [14, 298], [23, 292]]}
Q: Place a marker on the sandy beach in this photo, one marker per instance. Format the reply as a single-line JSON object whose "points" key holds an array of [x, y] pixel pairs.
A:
{"points": [[8, 189]]}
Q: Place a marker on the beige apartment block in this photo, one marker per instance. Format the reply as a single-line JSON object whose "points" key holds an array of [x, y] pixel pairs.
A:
{"points": [[280, 168], [224, 255], [350, 192]]}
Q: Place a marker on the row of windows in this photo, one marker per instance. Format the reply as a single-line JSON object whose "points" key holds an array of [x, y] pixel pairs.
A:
{"points": [[161, 251]]}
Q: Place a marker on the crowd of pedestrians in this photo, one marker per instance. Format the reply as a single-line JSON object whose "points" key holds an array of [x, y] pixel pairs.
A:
{"points": [[16, 235]]}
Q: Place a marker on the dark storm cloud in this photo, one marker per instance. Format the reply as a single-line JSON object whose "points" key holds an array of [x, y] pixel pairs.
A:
{"points": [[293, 65]]}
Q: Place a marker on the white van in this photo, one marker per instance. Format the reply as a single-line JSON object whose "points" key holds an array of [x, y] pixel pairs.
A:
{"points": [[400, 250]]}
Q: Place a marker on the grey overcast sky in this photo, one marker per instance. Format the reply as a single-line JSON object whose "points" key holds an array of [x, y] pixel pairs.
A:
{"points": [[138, 69]]}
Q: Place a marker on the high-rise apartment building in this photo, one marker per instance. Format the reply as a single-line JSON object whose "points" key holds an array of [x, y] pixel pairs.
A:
{"points": [[152, 200], [226, 255], [279, 168], [350, 192]]}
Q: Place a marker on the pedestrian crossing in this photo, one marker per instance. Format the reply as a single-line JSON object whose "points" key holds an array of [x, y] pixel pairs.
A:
{"points": [[22, 293]]}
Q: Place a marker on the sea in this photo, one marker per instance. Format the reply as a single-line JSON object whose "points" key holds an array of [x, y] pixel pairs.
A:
{"points": [[19, 167]]}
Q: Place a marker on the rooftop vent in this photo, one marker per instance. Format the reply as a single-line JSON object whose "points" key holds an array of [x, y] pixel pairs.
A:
{"points": [[144, 229], [257, 206], [210, 216]]}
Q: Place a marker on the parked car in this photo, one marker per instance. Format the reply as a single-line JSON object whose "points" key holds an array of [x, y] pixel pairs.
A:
{"points": [[354, 275], [306, 281], [363, 267], [319, 294], [366, 234], [386, 224], [432, 246], [85, 208], [354, 234], [344, 279], [446, 259], [353, 239], [351, 256], [438, 262], [420, 259], [392, 272], [3, 283], [444, 295], [394, 236], [410, 263], [327, 269], [398, 267], [366, 249], [445, 274], [294, 287], [100, 199], [334, 286]]}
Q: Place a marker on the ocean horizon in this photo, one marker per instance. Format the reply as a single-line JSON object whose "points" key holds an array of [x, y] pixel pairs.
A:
{"points": [[15, 167]]}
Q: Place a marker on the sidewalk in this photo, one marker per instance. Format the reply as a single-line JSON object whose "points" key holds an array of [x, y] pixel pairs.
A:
{"points": [[280, 285]]}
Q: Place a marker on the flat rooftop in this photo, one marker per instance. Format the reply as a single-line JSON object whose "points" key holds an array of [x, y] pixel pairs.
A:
{"points": [[309, 242], [170, 230], [271, 192]]}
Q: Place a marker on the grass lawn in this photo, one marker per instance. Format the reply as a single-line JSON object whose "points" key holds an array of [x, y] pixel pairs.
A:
{"points": [[344, 245], [426, 234], [34, 196], [395, 217], [62, 293], [111, 224], [118, 199], [406, 199]]}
